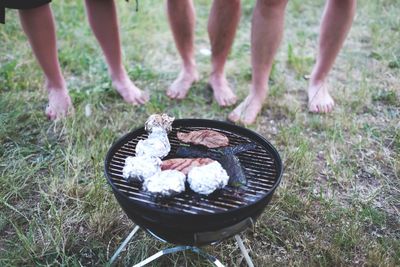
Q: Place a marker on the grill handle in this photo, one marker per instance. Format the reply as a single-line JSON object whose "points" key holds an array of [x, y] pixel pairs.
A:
{"points": [[209, 237]]}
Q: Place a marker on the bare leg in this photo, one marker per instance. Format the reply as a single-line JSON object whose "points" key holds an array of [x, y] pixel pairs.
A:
{"points": [[38, 24], [266, 35], [181, 17], [222, 25], [335, 25], [102, 16]]}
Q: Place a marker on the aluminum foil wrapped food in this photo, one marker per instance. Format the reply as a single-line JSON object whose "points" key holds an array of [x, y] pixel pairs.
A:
{"points": [[157, 143], [162, 121], [165, 183], [208, 178], [140, 168]]}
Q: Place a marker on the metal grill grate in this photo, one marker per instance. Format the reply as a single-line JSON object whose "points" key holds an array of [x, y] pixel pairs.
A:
{"points": [[259, 166]]}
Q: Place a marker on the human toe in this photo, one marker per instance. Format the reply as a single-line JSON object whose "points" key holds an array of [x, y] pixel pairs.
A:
{"points": [[232, 100], [312, 108], [234, 116], [172, 93], [50, 114], [222, 102], [145, 97]]}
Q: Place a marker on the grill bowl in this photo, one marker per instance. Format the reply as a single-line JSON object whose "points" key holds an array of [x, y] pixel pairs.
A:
{"points": [[189, 218]]}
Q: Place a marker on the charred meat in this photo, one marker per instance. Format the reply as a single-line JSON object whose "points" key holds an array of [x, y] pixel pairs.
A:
{"points": [[197, 152], [184, 165], [234, 170], [208, 138]]}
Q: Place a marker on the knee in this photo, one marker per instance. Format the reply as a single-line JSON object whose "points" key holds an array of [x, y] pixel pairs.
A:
{"points": [[345, 2], [265, 7], [271, 3], [179, 1], [229, 3], [348, 4]]}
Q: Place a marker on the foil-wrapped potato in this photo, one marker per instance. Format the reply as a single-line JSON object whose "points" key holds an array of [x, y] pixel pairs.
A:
{"points": [[138, 169], [207, 178], [165, 183]]}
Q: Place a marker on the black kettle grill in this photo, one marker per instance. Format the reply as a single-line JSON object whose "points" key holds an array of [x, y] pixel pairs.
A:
{"points": [[189, 218]]}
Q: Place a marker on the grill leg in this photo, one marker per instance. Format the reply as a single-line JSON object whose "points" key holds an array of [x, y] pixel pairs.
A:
{"points": [[123, 245], [244, 251], [210, 258], [178, 249]]}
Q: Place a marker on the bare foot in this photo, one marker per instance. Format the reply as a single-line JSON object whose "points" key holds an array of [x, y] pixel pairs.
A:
{"points": [[319, 99], [60, 104], [180, 87], [247, 111], [223, 94], [129, 92]]}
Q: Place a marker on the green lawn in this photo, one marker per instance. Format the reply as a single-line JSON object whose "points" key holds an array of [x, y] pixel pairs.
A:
{"points": [[338, 204]]}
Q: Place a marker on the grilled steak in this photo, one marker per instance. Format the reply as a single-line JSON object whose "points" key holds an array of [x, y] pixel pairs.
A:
{"points": [[208, 138], [184, 165]]}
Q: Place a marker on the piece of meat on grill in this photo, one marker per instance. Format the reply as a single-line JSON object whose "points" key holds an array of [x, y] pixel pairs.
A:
{"points": [[208, 138], [184, 164]]}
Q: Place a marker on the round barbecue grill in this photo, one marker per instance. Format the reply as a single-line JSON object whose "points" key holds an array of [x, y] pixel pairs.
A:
{"points": [[190, 218]]}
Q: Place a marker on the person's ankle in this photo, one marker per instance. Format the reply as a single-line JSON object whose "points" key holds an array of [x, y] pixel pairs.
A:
{"points": [[316, 83], [118, 74], [317, 80], [258, 91], [59, 85], [189, 69], [258, 95], [217, 76]]}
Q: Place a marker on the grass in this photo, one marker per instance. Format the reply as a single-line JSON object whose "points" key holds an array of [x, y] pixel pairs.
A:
{"points": [[338, 204]]}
